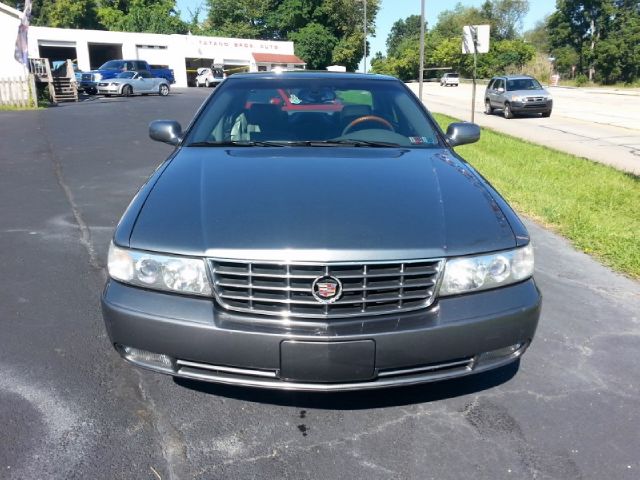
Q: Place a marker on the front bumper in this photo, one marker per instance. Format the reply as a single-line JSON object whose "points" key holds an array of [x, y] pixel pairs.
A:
{"points": [[88, 85], [532, 107], [204, 342], [108, 89]]}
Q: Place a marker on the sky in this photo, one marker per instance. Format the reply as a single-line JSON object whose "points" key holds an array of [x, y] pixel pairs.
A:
{"points": [[392, 10]]}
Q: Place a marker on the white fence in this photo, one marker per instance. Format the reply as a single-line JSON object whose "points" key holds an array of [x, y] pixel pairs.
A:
{"points": [[18, 92]]}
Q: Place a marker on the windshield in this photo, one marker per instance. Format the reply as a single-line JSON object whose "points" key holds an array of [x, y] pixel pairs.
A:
{"points": [[111, 65], [126, 75], [523, 84], [312, 111]]}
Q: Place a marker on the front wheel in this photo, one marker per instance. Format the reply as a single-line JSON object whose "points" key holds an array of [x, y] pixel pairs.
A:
{"points": [[488, 109], [164, 90], [546, 114], [507, 111], [127, 91], [206, 83]]}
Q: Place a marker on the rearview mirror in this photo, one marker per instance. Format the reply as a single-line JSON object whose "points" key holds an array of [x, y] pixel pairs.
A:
{"points": [[462, 133], [167, 131]]}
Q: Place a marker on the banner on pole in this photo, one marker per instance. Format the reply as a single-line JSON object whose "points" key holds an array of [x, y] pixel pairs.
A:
{"points": [[22, 42], [481, 35]]}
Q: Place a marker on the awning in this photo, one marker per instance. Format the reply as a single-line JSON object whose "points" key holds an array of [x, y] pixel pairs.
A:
{"points": [[277, 58]]}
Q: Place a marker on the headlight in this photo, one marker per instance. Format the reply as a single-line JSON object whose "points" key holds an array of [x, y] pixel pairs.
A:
{"points": [[470, 274], [518, 98], [159, 272], [97, 76], [114, 84]]}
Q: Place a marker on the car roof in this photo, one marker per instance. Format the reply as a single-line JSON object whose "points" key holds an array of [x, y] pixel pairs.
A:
{"points": [[311, 74], [514, 77]]}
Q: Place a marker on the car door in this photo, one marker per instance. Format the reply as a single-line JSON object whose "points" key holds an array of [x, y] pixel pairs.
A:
{"points": [[497, 99], [145, 81], [489, 92]]}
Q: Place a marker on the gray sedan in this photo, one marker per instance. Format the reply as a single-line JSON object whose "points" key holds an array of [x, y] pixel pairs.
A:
{"points": [[330, 241], [130, 83]]}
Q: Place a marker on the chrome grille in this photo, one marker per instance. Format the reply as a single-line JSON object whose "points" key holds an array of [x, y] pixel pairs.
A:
{"points": [[371, 288]]}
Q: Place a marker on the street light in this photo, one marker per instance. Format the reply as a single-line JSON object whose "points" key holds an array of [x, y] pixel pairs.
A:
{"points": [[421, 73], [365, 36]]}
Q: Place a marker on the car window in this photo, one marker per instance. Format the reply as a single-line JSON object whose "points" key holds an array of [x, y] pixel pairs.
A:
{"points": [[126, 75], [499, 83], [523, 84], [145, 74], [111, 65], [302, 109]]}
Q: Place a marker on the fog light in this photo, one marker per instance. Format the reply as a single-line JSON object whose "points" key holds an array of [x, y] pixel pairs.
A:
{"points": [[512, 351], [147, 359]]}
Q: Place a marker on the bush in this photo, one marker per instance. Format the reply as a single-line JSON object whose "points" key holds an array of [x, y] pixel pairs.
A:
{"points": [[581, 80]]}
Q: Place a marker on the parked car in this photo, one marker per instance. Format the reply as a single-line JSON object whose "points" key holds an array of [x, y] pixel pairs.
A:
{"points": [[131, 83], [112, 68], [318, 250], [209, 77], [450, 78], [514, 94]]}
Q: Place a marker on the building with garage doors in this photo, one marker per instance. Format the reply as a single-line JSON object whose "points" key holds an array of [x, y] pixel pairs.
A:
{"points": [[182, 53]]}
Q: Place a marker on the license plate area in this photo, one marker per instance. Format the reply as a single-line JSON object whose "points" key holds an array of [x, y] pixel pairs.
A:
{"points": [[327, 362]]}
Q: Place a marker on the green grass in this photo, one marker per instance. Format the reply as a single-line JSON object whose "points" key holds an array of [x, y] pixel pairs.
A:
{"points": [[360, 97], [594, 206]]}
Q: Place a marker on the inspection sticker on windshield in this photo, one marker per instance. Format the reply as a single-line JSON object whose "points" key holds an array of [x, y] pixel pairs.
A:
{"points": [[419, 140]]}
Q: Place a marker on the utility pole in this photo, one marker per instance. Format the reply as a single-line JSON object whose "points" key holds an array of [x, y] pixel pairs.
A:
{"points": [[365, 36], [421, 73], [474, 37]]}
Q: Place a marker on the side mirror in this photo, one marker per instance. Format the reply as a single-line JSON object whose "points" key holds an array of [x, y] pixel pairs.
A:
{"points": [[167, 131], [462, 133], [500, 90]]}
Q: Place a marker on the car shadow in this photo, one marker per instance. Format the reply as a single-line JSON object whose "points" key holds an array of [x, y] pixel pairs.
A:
{"points": [[362, 400]]}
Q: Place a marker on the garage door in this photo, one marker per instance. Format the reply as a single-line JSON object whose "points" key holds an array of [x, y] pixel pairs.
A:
{"points": [[153, 54]]}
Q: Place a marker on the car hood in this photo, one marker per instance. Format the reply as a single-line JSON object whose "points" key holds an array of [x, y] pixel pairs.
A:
{"points": [[319, 204], [529, 93]]}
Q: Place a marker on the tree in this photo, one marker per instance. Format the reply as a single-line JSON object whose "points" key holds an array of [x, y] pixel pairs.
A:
{"points": [[582, 24], [505, 17], [314, 43], [152, 16], [538, 36], [65, 14], [341, 22], [402, 30], [450, 22], [240, 18]]}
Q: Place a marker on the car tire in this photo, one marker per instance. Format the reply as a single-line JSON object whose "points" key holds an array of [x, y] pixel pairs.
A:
{"points": [[546, 114], [206, 83], [127, 91], [163, 90], [107, 94], [488, 109], [507, 111]]}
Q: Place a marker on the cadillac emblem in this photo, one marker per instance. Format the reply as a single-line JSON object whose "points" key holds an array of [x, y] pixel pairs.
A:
{"points": [[326, 289]]}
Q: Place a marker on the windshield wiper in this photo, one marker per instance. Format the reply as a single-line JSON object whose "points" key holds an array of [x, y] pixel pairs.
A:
{"points": [[237, 143], [340, 143]]}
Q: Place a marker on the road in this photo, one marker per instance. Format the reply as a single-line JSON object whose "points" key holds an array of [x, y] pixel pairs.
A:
{"points": [[598, 124], [71, 408]]}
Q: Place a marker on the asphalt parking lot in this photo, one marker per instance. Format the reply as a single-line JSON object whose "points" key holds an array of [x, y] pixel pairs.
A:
{"points": [[71, 408]]}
